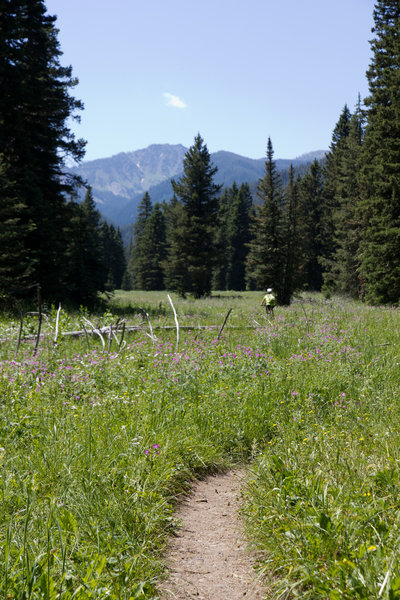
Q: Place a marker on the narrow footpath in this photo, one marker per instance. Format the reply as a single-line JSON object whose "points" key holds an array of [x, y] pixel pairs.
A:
{"points": [[208, 560]]}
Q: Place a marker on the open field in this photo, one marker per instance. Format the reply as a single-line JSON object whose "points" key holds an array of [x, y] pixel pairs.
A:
{"points": [[97, 443]]}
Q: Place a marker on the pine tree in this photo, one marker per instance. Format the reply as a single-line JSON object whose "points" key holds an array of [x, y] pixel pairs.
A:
{"points": [[150, 271], [380, 173], [198, 194], [310, 227], [176, 276], [114, 256], [86, 273], [330, 200], [345, 276], [35, 138], [265, 260], [291, 240], [219, 278], [238, 233], [118, 257], [14, 264], [145, 209]]}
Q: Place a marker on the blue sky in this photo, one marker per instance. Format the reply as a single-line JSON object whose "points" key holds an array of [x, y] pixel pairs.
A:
{"points": [[236, 71]]}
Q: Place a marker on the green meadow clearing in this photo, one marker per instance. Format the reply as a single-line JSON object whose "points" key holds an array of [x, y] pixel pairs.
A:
{"points": [[97, 443]]}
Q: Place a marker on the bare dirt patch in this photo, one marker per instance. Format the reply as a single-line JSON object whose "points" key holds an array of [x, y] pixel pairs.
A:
{"points": [[209, 560]]}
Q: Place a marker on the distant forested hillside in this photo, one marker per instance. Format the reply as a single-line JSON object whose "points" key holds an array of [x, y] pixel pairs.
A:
{"points": [[119, 182]]}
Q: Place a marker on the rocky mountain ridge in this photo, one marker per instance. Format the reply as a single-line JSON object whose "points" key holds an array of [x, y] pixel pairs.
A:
{"points": [[119, 182]]}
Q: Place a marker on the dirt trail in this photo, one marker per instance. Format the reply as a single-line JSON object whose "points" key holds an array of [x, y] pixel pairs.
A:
{"points": [[209, 560]]}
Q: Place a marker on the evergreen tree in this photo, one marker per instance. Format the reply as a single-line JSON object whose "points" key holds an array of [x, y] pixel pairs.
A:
{"points": [[310, 227], [176, 276], [114, 256], [232, 237], [221, 239], [86, 273], [380, 173], [345, 275], [291, 240], [265, 260], [150, 274], [34, 137], [238, 234], [198, 194], [330, 198], [14, 264], [145, 209]]}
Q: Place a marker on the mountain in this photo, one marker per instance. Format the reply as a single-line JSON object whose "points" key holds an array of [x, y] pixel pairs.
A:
{"points": [[118, 179], [119, 182]]}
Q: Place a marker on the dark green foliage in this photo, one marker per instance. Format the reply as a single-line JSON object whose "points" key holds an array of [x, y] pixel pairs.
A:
{"points": [[114, 262], [85, 255], [14, 265], [149, 268], [144, 211], [345, 276], [232, 238], [34, 140], [266, 258], [176, 276], [238, 237], [291, 240], [146, 264], [221, 239], [380, 172], [330, 201], [310, 227], [195, 233]]}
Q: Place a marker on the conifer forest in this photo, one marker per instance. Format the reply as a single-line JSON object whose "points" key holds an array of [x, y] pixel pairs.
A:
{"points": [[162, 366], [335, 228]]}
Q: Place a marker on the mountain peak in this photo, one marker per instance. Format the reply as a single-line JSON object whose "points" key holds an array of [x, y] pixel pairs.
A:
{"points": [[119, 181], [310, 156]]}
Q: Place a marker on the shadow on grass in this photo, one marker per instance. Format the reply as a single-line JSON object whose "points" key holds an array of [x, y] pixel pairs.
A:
{"points": [[135, 309]]}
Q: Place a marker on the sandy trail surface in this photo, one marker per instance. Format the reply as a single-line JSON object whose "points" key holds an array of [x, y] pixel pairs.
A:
{"points": [[208, 560]]}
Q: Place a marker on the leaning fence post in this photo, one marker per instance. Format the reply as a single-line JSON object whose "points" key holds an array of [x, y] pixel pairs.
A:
{"points": [[176, 322], [223, 324], [57, 323], [151, 335]]}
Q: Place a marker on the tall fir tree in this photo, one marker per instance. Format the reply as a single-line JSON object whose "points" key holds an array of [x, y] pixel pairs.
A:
{"points": [[291, 240], [310, 227], [35, 138], [149, 268], [176, 276], [198, 195], [219, 278], [145, 209], [15, 267], [238, 237], [232, 237], [330, 201], [114, 255], [84, 257], [345, 277], [266, 258], [380, 172]]}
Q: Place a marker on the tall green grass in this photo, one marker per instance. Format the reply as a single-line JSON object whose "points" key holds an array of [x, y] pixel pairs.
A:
{"points": [[97, 445]]}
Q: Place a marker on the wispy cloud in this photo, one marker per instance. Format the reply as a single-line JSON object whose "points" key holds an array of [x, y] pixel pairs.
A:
{"points": [[174, 101]]}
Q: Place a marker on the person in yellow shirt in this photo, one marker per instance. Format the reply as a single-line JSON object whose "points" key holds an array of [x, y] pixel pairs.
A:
{"points": [[269, 301]]}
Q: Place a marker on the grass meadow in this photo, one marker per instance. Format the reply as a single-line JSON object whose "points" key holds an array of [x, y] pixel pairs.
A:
{"points": [[97, 443]]}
